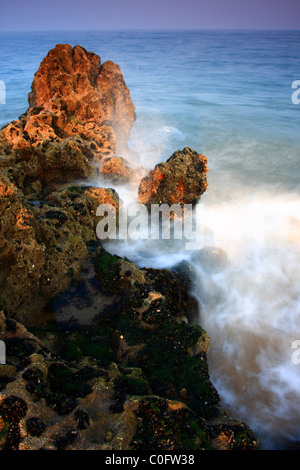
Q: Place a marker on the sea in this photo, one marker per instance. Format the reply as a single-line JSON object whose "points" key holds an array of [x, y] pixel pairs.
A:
{"points": [[232, 96]]}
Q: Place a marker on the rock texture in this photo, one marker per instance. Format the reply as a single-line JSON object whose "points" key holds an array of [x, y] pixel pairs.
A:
{"points": [[119, 170], [43, 244], [80, 112], [137, 380], [179, 180]]}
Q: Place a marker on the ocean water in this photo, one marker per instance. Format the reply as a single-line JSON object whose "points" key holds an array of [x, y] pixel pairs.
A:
{"points": [[226, 94]]}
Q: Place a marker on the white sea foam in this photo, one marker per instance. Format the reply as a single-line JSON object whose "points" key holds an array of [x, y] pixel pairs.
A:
{"points": [[250, 308], [251, 311], [152, 139]]}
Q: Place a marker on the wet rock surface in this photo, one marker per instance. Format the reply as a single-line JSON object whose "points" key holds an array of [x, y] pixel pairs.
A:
{"points": [[213, 259], [179, 180], [137, 379]]}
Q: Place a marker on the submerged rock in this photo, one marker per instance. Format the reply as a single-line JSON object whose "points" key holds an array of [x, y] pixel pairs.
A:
{"points": [[179, 180], [212, 259]]}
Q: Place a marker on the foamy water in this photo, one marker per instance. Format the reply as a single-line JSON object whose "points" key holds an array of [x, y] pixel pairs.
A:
{"points": [[251, 310], [250, 307]]}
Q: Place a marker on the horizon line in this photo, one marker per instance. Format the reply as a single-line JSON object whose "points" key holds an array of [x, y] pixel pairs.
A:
{"points": [[166, 29]]}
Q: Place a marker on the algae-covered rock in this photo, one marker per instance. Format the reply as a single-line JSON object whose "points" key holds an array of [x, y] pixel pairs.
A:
{"points": [[168, 425], [43, 246], [137, 380], [173, 356]]}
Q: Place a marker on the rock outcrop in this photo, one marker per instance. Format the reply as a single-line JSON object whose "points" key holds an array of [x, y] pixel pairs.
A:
{"points": [[179, 180], [120, 171], [43, 243], [137, 378], [80, 112]]}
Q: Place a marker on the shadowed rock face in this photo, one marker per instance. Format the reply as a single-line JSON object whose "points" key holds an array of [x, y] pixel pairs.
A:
{"points": [[43, 244], [137, 380], [179, 180], [79, 112]]}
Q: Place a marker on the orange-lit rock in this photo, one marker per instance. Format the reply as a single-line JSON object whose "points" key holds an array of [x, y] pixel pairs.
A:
{"points": [[80, 112], [179, 180], [120, 170], [80, 95]]}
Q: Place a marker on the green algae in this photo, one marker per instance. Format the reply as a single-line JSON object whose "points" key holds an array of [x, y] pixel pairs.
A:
{"points": [[164, 426], [170, 369], [107, 270], [79, 345]]}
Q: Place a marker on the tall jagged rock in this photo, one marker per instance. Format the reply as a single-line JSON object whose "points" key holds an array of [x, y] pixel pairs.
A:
{"points": [[72, 84], [80, 112]]}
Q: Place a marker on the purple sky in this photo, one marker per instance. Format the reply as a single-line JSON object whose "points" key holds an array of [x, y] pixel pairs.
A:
{"points": [[35, 15]]}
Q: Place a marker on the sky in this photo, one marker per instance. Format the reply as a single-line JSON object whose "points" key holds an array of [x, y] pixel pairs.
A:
{"points": [[41, 15]]}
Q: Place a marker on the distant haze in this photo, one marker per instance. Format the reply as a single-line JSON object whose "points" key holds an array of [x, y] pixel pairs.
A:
{"points": [[38, 15]]}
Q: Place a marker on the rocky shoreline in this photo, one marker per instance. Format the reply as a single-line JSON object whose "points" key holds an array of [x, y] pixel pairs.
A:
{"points": [[136, 377]]}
